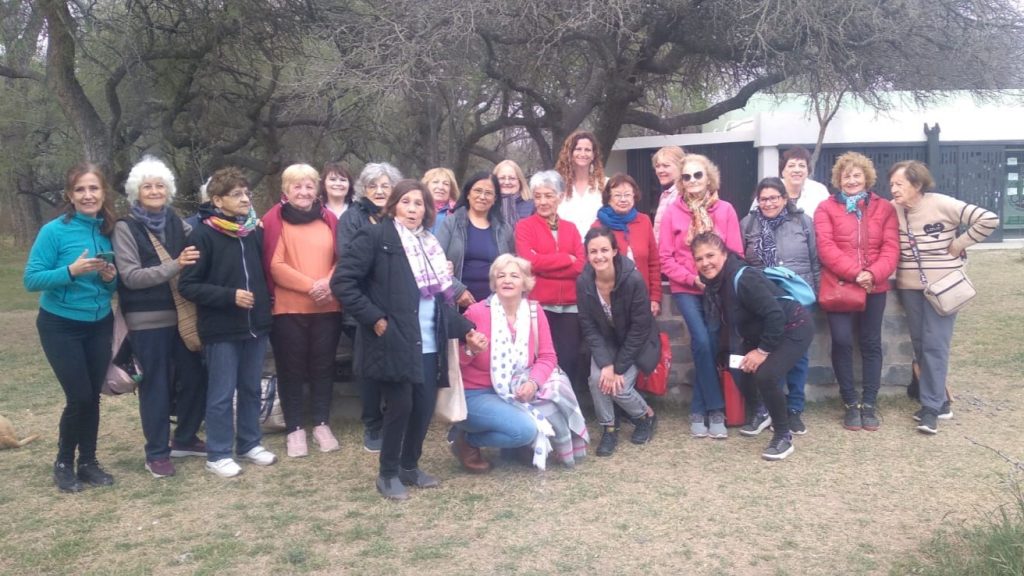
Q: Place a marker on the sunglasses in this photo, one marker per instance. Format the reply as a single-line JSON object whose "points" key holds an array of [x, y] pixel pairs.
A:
{"points": [[695, 176]]}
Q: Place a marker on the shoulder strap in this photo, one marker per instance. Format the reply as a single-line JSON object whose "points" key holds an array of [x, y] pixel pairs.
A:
{"points": [[914, 249], [534, 331], [736, 280]]}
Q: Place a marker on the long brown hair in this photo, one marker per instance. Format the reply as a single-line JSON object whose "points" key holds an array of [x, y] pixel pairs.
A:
{"points": [[564, 164], [106, 209]]}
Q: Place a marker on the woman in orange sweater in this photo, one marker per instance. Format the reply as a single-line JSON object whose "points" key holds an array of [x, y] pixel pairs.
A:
{"points": [[307, 318]]}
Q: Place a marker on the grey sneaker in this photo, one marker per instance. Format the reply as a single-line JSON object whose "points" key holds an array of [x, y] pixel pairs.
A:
{"points": [[945, 413], [418, 478], [929, 421], [869, 418], [716, 427], [851, 418], [757, 421], [780, 446], [697, 426], [372, 441]]}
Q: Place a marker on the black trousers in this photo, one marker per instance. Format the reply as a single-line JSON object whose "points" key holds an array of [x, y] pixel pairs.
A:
{"points": [[305, 347], [79, 353], [769, 378], [568, 341], [172, 376], [408, 410], [868, 325]]}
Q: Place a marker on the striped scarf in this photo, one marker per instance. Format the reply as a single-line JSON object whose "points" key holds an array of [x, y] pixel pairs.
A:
{"points": [[235, 227], [428, 262]]}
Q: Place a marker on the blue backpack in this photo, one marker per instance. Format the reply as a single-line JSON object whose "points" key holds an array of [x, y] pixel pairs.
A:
{"points": [[795, 287]]}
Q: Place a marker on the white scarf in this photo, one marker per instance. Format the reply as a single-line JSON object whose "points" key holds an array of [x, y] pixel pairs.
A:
{"points": [[510, 369]]}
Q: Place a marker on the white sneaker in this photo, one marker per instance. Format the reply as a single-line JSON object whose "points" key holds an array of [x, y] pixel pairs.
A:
{"points": [[260, 456], [225, 468]]}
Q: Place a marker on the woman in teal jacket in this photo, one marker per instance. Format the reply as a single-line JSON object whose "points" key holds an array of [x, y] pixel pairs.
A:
{"points": [[71, 263]]}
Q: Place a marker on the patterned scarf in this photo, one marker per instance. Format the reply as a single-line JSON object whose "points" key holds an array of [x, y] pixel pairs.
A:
{"points": [[699, 205], [153, 221], [766, 248], [852, 201], [428, 262], [236, 227]]}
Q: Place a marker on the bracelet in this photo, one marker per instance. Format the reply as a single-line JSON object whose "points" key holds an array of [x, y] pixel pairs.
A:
{"points": [[763, 353]]}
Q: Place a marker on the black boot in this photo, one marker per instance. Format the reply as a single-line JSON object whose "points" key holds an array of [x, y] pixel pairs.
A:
{"points": [[90, 473], [64, 478], [609, 441], [644, 431]]}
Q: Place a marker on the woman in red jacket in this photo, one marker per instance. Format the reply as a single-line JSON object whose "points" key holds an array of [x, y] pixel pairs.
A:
{"points": [[554, 250], [858, 243], [633, 232]]}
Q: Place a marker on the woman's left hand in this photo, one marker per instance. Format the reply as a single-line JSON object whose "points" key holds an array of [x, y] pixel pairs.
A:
{"points": [[476, 341], [610, 382], [753, 360], [527, 391], [655, 308], [465, 300], [866, 280], [108, 272], [321, 292]]}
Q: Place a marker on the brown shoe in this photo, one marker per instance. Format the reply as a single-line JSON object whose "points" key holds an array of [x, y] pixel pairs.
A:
{"points": [[469, 456]]}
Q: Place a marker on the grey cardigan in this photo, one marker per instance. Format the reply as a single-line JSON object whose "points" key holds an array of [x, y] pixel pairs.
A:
{"points": [[452, 237], [797, 249]]}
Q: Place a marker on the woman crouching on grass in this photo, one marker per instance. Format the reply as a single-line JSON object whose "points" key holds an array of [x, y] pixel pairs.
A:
{"points": [[619, 329], [775, 332]]}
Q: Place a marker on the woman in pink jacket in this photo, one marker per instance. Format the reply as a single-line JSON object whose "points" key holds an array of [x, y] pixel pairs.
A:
{"points": [[698, 210], [858, 243]]}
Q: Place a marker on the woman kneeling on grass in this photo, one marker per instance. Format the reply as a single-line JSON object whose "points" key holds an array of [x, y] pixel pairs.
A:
{"points": [[774, 331], [515, 394], [619, 329]]}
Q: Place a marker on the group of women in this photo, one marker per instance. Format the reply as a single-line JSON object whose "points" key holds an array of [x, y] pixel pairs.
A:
{"points": [[538, 288]]}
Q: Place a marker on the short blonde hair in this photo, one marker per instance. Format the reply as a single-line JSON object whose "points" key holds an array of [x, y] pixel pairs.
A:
{"points": [[849, 160], [524, 186], [446, 174], [504, 261], [673, 154], [298, 173], [710, 171]]}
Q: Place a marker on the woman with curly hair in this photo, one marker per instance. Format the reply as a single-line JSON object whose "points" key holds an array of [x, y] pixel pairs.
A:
{"points": [[582, 168]]}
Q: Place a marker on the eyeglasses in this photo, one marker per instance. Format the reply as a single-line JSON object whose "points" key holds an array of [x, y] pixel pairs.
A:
{"points": [[695, 176], [508, 179], [238, 194], [482, 192], [768, 199], [623, 196]]}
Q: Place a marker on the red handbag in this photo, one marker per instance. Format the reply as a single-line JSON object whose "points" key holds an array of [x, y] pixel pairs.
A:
{"points": [[735, 407], [657, 381], [836, 295]]}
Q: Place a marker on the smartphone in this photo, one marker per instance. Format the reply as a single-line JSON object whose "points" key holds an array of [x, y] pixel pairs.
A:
{"points": [[734, 361], [106, 256]]}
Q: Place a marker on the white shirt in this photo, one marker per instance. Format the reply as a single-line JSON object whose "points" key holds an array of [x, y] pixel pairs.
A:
{"points": [[581, 209]]}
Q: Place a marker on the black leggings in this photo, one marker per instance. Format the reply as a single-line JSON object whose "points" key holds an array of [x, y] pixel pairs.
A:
{"points": [[769, 378], [409, 407], [79, 353], [305, 346]]}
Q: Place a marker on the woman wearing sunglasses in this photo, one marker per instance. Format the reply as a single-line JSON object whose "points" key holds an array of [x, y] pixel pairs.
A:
{"points": [[698, 210]]}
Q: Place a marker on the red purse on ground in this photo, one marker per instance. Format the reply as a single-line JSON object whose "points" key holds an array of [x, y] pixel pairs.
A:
{"points": [[735, 408], [657, 381]]}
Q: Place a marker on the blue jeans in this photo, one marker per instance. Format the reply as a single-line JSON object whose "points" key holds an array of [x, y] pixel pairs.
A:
{"points": [[707, 391], [796, 380], [494, 423], [236, 365]]}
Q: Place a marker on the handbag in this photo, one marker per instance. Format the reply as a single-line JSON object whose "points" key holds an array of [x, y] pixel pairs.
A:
{"points": [[948, 294], [837, 295], [451, 401], [657, 381], [186, 308], [124, 373]]}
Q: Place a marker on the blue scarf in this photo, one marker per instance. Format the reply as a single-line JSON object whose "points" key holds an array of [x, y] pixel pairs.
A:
{"points": [[614, 220], [153, 221], [851, 203]]}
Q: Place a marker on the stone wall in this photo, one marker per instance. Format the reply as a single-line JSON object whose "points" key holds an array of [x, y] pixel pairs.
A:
{"points": [[897, 353]]}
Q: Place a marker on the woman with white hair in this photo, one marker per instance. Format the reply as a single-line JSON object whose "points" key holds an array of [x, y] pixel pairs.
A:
{"points": [[372, 190], [151, 250], [553, 248]]}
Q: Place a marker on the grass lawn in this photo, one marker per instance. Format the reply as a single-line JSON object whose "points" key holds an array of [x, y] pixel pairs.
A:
{"points": [[845, 503]]}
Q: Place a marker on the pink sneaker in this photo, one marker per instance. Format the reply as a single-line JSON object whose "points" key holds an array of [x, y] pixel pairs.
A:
{"points": [[295, 444], [323, 438]]}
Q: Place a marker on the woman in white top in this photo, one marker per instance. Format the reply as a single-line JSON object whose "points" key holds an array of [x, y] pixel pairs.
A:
{"points": [[581, 166]]}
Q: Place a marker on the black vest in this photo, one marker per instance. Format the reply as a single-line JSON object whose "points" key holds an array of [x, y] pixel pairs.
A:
{"points": [[154, 298]]}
